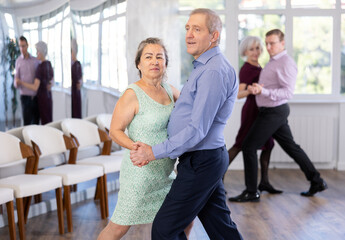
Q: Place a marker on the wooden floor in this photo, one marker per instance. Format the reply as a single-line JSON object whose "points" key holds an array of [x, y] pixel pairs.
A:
{"points": [[287, 216]]}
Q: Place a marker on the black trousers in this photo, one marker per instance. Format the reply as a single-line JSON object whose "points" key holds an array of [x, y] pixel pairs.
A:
{"points": [[30, 110], [197, 191], [273, 122]]}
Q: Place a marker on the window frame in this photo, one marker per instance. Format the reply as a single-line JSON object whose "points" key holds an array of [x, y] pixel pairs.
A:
{"points": [[40, 28], [231, 12], [99, 22]]}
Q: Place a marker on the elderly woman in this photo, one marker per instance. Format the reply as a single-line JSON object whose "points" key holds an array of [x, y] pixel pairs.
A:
{"points": [[144, 108], [77, 78], [42, 84], [250, 50]]}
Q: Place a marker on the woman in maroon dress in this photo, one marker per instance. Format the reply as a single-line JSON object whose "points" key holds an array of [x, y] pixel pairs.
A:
{"points": [[251, 49], [43, 83], [76, 81]]}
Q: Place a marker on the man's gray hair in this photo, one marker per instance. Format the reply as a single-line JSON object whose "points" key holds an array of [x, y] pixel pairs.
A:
{"points": [[213, 21], [247, 42], [42, 48]]}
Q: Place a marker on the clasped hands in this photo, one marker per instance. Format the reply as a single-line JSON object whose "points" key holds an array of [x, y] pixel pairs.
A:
{"points": [[141, 154], [255, 89]]}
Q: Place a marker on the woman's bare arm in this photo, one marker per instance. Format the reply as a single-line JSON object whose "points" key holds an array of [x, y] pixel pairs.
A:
{"points": [[125, 110], [242, 91], [32, 86]]}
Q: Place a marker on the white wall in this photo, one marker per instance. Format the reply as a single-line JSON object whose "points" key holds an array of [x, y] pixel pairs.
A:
{"points": [[94, 101], [160, 20]]}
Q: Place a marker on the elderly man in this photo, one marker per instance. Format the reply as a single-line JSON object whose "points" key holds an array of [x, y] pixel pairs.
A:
{"points": [[25, 71], [275, 87], [196, 136]]}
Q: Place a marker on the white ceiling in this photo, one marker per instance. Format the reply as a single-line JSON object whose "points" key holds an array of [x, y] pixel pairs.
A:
{"points": [[13, 4]]}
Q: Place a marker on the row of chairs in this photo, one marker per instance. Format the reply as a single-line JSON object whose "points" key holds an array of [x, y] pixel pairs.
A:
{"points": [[41, 146]]}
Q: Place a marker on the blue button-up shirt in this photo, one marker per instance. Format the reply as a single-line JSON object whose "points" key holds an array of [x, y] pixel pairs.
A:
{"points": [[203, 108]]}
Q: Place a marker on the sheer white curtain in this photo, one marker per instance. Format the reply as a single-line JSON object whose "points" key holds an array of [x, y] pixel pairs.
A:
{"points": [[152, 18]]}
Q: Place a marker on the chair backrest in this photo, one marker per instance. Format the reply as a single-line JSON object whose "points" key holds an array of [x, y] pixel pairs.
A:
{"points": [[103, 121], [85, 131], [55, 124], [50, 140], [17, 132], [91, 119], [10, 149]]}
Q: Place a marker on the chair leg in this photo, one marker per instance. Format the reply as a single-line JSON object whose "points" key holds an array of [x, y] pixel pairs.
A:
{"points": [[20, 212], [58, 193], [11, 224], [97, 193], [102, 200], [26, 202], [67, 204], [105, 189]]}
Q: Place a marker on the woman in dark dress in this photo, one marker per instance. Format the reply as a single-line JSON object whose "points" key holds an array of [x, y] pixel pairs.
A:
{"points": [[76, 81], [251, 49], [43, 83]]}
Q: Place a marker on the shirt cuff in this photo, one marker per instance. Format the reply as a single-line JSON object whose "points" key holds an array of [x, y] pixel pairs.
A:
{"points": [[159, 151], [264, 92]]}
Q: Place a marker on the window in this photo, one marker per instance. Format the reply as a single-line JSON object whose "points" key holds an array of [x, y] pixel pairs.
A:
{"points": [[53, 29], [312, 45], [101, 36], [10, 25], [261, 4], [311, 35]]}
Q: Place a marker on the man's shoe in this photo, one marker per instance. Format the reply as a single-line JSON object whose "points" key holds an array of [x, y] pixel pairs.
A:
{"points": [[314, 188], [246, 196], [269, 188]]}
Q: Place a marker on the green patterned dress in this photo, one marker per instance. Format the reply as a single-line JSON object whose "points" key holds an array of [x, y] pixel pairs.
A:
{"points": [[143, 190]]}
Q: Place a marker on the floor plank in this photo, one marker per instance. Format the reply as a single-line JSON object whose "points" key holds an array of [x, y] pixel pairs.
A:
{"points": [[286, 216]]}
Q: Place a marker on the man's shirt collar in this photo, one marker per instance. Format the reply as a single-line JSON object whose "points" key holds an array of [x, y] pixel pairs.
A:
{"points": [[279, 55], [207, 55]]}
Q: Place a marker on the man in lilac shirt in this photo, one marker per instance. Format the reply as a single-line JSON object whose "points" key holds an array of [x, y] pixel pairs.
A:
{"points": [[275, 87], [25, 71], [195, 135]]}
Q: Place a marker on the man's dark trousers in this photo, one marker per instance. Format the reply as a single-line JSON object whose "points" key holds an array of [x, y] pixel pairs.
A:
{"points": [[30, 110], [197, 191], [273, 122]]}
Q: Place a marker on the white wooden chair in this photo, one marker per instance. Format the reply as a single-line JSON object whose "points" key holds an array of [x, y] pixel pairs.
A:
{"points": [[52, 160], [47, 141], [85, 152], [26, 185], [88, 134], [6, 196], [17, 168]]}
